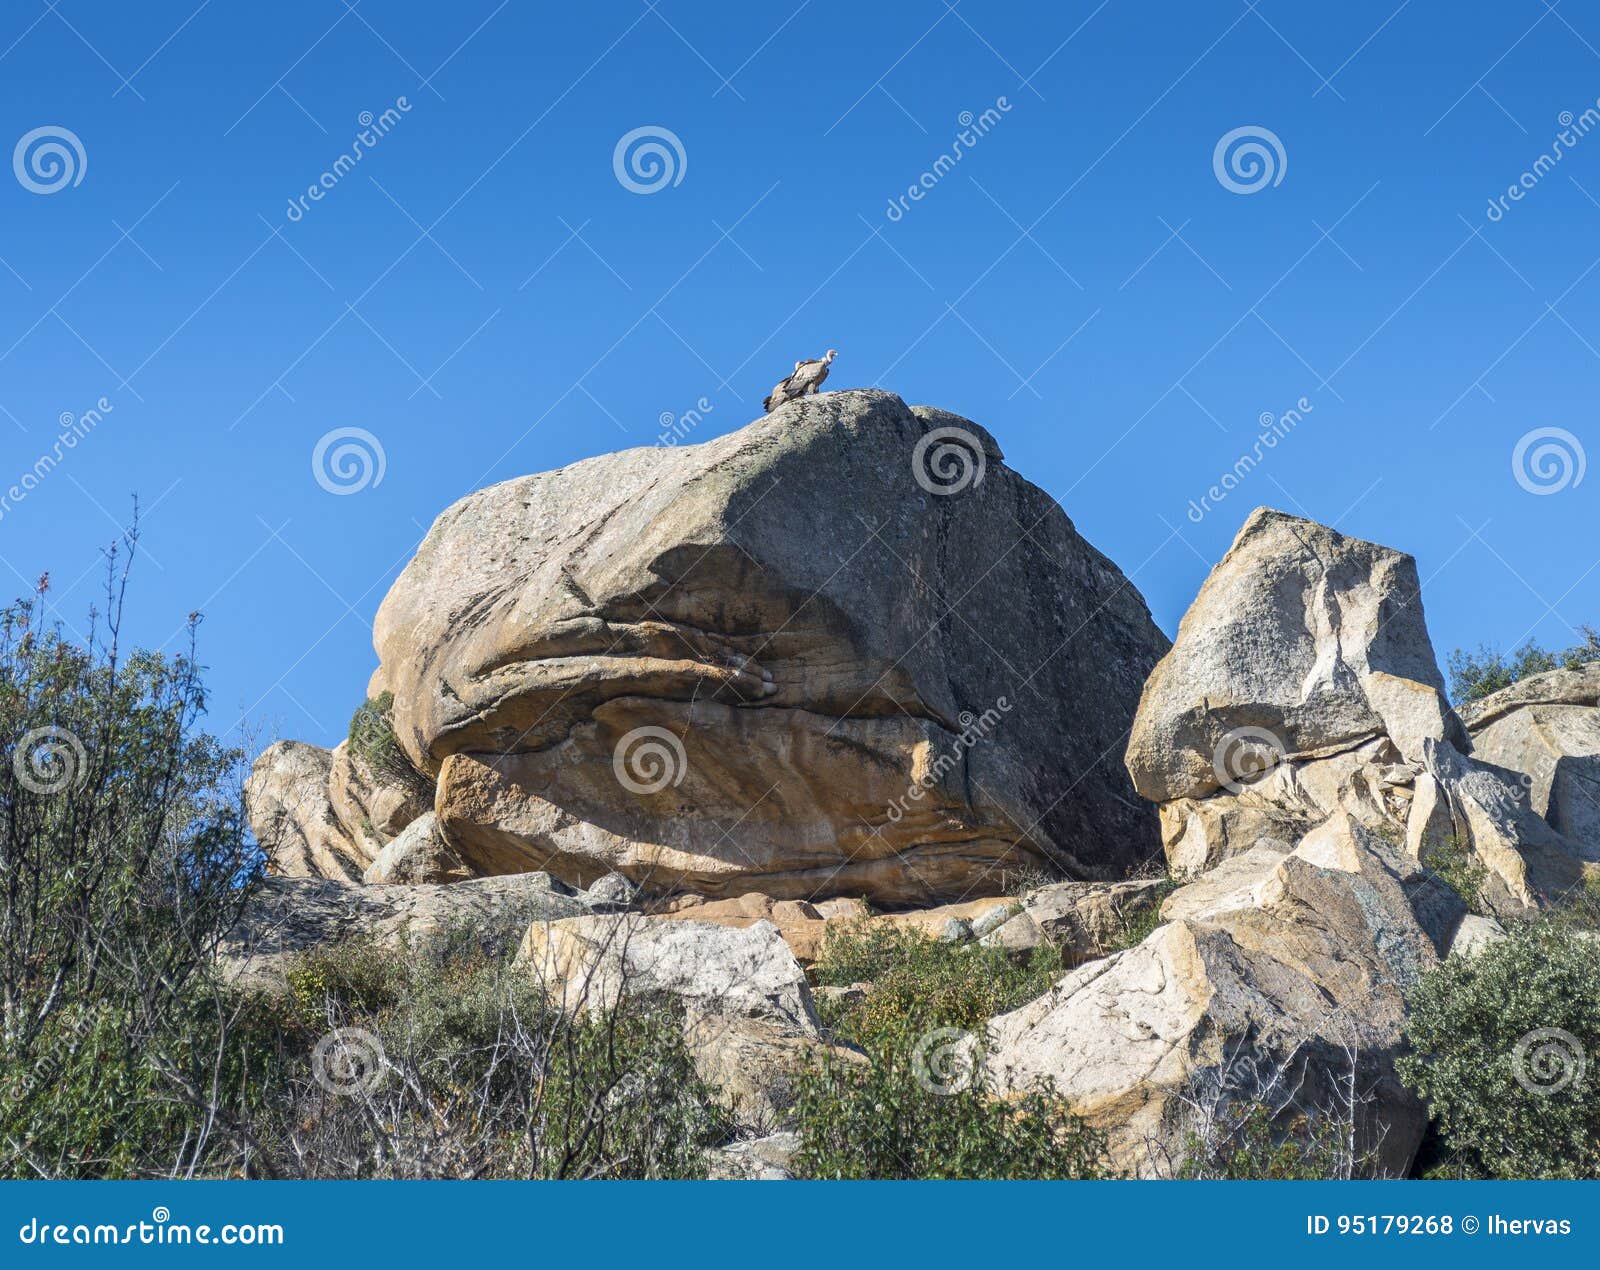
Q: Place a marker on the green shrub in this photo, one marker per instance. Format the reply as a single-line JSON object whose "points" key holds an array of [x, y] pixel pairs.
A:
{"points": [[1502, 1047], [1259, 1144], [920, 983], [125, 859], [1139, 925], [1457, 866], [918, 1108], [883, 1121], [372, 736]]}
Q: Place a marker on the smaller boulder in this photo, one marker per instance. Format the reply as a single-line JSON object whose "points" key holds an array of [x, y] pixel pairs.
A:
{"points": [[418, 855]]}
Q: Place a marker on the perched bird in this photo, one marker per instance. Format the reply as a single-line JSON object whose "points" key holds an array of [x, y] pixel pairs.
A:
{"points": [[807, 378]]}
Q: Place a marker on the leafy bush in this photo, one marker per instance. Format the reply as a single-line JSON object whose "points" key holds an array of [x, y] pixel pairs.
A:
{"points": [[372, 736], [885, 1121], [1474, 675], [1501, 1046], [920, 983], [918, 1108]]}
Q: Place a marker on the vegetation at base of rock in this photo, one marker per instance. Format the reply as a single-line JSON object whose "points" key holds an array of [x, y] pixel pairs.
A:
{"points": [[479, 1077], [1500, 1047], [1261, 1145], [372, 736], [918, 1109], [1141, 922], [1474, 675], [883, 1121], [1454, 863], [919, 983]]}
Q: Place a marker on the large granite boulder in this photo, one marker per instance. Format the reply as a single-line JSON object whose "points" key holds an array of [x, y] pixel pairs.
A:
{"points": [[808, 658], [1302, 681], [1302, 641]]}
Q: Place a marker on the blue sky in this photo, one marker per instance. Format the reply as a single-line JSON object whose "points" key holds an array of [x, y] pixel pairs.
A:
{"points": [[485, 298]]}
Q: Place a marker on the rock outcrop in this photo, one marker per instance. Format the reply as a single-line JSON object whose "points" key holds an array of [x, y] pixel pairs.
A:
{"points": [[1305, 656], [1303, 681], [1281, 984], [782, 661], [1310, 772], [755, 691], [292, 815], [328, 813], [1546, 728], [291, 916]]}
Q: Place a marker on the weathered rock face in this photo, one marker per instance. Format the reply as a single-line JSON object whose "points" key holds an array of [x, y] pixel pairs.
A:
{"points": [[293, 819], [418, 854], [1546, 728], [1279, 972], [327, 813], [1303, 678], [776, 662], [1316, 638]]}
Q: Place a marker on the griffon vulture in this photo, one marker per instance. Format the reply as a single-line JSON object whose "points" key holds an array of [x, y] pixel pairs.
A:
{"points": [[807, 378]]}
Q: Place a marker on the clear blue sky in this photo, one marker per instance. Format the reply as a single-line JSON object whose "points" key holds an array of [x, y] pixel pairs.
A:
{"points": [[1082, 282]]}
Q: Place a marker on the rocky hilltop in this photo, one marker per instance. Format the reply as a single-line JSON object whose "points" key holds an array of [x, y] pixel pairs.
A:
{"points": [[842, 666]]}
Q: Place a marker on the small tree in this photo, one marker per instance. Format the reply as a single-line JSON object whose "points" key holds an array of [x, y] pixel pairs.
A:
{"points": [[123, 859]]}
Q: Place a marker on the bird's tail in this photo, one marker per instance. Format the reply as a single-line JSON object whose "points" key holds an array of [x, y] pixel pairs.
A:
{"points": [[767, 405]]}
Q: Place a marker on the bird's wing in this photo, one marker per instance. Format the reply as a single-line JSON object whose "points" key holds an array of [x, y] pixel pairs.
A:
{"points": [[808, 374]]}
